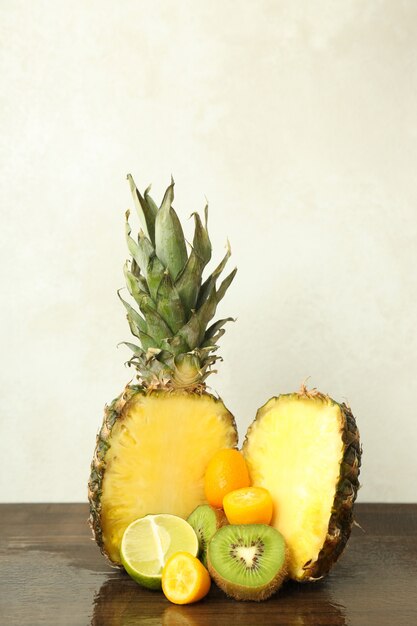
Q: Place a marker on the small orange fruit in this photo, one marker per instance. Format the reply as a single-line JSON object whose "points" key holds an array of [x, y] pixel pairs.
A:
{"points": [[250, 505], [185, 579], [225, 472]]}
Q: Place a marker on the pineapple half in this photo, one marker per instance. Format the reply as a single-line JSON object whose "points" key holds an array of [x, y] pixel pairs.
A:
{"points": [[158, 436], [304, 448]]}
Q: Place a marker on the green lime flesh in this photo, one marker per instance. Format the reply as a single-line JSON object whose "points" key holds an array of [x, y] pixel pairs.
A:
{"points": [[149, 542]]}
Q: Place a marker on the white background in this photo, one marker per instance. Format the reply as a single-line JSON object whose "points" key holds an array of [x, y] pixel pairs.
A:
{"points": [[298, 121]]}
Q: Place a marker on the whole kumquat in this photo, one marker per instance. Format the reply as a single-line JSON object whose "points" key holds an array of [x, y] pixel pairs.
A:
{"points": [[225, 472]]}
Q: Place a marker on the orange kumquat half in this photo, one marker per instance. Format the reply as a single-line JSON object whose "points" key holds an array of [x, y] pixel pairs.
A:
{"points": [[185, 579], [250, 505]]}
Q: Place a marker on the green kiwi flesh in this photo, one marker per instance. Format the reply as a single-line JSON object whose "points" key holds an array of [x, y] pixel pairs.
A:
{"points": [[248, 562], [205, 520]]}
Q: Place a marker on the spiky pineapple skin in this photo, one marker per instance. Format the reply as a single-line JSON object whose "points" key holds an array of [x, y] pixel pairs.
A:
{"points": [[113, 413], [347, 486], [341, 519]]}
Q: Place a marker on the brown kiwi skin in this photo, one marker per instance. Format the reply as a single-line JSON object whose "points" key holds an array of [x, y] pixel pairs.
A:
{"points": [[221, 519], [244, 593]]}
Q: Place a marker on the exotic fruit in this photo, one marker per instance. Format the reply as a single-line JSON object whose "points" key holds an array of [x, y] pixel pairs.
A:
{"points": [[304, 448], [158, 436]]}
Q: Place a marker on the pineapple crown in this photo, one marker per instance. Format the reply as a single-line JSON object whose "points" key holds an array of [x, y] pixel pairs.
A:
{"points": [[177, 346]]}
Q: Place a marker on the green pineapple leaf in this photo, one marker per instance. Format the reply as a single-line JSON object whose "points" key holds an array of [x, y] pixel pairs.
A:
{"points": [[212, 330], [155, 272], [141, 251], [169, 304], [145, 210], [174, 345], [175, 305], [147, 341], [134, 285], [225, 285], [157, 327], [190, 333], [211, 280], [169, 237], [201, 241], [188, 282], [137, 350], [151, 203], [133, 317]]}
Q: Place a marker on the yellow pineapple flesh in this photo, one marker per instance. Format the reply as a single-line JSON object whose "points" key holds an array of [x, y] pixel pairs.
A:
{"points": [[295, 449], [159, 451]]}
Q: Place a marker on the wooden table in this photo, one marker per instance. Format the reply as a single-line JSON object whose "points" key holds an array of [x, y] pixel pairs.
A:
{"points": [[52, 573]]}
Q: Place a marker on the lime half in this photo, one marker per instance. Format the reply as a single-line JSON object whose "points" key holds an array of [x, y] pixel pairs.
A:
{"points": [[149, 541]]}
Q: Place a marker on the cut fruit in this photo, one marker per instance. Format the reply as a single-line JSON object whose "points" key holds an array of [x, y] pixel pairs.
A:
{"points": [[185, 579], [226, 472], [304, 448], [205, 520], [250, 505], [160, 445], [149, 542], [248, 561]]}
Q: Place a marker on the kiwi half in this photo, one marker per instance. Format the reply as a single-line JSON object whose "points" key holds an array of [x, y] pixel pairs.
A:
{"points": [[248, 562], [205, 520]]}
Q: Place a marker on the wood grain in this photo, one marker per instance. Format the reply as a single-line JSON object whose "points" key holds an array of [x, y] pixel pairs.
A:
{"points": [[52, 573]]}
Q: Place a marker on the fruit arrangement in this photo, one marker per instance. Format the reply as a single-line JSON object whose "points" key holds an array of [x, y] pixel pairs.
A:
{"points": [[171, 498]]}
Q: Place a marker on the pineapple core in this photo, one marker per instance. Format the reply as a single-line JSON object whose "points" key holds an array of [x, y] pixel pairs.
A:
{"points": [[294, 449], [158, 454]]}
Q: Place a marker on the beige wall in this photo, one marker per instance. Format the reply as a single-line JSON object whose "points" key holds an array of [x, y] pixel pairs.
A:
{"points": [[298, 120]]}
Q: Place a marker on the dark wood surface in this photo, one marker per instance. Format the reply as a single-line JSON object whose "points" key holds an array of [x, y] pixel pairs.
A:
{"points": [[52, 573]]}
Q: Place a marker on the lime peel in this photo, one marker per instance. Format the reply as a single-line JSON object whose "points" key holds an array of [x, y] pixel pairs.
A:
{"points": [[150, 541]]}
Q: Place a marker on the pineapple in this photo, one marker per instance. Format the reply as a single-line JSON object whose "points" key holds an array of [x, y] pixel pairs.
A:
{"points": [[158, 436], [304, 448]]}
